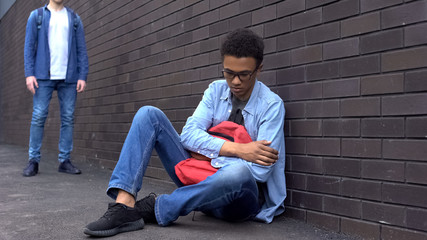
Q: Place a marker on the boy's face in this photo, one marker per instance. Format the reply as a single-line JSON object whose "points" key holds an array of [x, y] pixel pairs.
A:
{"points": [[57, 1], [240, 74]]}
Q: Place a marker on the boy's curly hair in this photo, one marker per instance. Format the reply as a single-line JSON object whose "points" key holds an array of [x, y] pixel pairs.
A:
{"points": [[243, 43]]}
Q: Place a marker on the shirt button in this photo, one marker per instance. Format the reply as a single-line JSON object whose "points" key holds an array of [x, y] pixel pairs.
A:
{"points": [[217, 163], [211, 154], [229, 110], [198, 151]]}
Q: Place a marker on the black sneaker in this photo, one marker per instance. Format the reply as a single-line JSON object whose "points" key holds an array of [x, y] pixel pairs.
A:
{"points": [[68, 167], [118, 218], [32, 169], [146, 208]]}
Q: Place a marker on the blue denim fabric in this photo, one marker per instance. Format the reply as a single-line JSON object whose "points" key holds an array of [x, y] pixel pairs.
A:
{"points": [[67, 95], [37, 54], [218, 195]]}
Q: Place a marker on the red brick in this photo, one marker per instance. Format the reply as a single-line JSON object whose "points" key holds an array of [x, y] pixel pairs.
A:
{"points": [[307, 200], [362, 148], [414, 35], [306, 55], [295, 145], [323, 146], [382, 84], [404, 14], [306, 128], [383, 170], [342, 167], [405, 194], [343, 206], [369, 5], [323, 220], [405, 149], [415, 173], [368, 231], [388, 232], [264, 14], [321, 71], [414, 58], [382, 41], [363, 189], [322, 184], [306, 19], [415, 81], [340, 9], [307, 164], [384, 213], [360, 66], [341, 128], [383, 127], [341, 48], [286, 8], [341, 88], [296, 181], [322, 109], [360, 107], [417, 219], [360, 24], [322, 33]]}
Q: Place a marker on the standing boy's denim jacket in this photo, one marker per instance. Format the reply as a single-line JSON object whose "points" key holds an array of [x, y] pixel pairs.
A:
{"points": [[37, 54]]}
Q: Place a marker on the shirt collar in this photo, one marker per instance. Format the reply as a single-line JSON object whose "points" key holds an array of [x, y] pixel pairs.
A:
{"points": [[250, 106]]}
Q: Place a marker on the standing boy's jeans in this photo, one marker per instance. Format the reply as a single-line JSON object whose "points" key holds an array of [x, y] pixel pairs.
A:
{"points": [[67, 94], [230, 194]]}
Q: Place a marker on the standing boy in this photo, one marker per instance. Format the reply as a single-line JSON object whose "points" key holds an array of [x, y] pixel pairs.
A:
{"points": [[55, 59]]}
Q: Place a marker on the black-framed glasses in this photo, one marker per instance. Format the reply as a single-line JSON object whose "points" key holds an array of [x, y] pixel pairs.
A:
{"points": [[243, 76]]}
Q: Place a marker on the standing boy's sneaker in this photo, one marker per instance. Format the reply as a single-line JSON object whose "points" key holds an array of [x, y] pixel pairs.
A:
{"points": [[118, 218], [68, 167], [31, 169]]}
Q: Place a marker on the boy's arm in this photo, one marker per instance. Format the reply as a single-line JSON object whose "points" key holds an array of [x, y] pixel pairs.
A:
{"points": [[82, 58], [30, 44]]}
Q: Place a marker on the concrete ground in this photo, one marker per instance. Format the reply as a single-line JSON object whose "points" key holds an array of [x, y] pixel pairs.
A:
{"points": [[53, 205]]}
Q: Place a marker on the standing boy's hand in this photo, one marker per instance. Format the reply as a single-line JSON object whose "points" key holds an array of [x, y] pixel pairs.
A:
{"points": [[31, 83], [81, 86]]}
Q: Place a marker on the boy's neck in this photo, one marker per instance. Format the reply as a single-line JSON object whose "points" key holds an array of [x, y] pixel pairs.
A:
{"points": [[55, 6]]}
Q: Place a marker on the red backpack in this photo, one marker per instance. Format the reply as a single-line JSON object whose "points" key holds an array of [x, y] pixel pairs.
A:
{"points": [[191, 171]]}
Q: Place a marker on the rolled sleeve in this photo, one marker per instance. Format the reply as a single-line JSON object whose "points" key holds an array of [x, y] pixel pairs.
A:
{"points": [[271, 129], [194, 136]]}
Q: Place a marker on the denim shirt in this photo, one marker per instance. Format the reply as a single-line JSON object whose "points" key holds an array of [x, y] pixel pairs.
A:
{"points": [[37, 54], [264, 116]]}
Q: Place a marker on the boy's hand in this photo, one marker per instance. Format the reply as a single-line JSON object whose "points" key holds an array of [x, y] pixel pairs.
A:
{"points": [[31, 83]]}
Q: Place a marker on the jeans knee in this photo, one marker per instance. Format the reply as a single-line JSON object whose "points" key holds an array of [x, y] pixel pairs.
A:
{"points": [[146, 112], [67, 120], [38, 118], [236, 175]]}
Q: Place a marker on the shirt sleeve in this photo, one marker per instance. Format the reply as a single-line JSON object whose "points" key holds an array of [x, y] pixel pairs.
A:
{"points": [[82, 58], [30, 44], [194, 136], [271, 129]]}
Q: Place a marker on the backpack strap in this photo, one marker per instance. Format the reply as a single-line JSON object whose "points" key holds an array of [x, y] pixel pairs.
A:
{"points": [[39, 18], [75, 18]]}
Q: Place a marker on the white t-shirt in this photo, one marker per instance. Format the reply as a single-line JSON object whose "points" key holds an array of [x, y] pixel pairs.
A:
{"points": [[58, 44]]}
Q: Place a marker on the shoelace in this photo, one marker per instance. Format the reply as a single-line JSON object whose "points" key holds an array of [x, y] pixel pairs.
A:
{"points": [[111, 211]]}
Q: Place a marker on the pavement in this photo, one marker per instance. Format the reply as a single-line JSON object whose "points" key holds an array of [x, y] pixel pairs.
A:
{"points": [[53, 205]]}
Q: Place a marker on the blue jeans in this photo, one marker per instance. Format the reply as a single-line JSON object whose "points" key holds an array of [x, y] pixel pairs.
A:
{"points": [[230, 194], [67, 95]]}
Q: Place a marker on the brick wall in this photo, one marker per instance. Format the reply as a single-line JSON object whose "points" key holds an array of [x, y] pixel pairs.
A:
{"points": [[352, 74]]}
